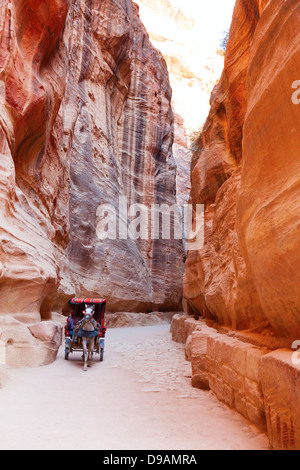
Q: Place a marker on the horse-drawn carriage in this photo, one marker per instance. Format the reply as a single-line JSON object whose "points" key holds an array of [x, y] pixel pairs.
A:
{"points": [[85, 328]]}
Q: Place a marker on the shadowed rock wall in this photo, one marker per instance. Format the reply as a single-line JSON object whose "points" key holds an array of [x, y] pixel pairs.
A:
{"points": [[118, 124], [85, 117]]}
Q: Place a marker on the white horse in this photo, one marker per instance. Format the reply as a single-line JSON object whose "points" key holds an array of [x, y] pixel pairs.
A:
{"points": [[88, 330]]}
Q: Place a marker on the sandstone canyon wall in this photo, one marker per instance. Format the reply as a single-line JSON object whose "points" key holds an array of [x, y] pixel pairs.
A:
{"points": [[246, 174], [85, 118], [194, 68], [245, 279]]}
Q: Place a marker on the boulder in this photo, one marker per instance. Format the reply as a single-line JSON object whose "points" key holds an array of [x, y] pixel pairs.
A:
{"points": [[30, 345]]}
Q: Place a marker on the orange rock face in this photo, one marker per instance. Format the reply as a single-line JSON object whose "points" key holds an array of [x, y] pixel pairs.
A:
{"points": [[269, 199], [246, 172], [246, 275], [217, 281]]}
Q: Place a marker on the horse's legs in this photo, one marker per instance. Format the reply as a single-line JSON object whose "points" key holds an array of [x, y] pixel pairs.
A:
{"points": [[85, 352], [91, 347]]}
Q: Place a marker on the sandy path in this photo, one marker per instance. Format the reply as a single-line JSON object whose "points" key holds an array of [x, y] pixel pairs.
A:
{"points": [[140, 397]]}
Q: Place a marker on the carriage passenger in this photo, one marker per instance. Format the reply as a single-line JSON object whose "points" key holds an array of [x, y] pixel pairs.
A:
{"points": [[72, 321], [70, 325]]}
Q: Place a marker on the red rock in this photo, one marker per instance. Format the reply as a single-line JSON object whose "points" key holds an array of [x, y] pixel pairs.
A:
{"points": [[217, 281], [247, 269], [246, 171], [85, 117], [269, 199]]}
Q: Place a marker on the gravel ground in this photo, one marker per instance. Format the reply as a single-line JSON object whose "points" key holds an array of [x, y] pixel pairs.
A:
{"points": [[139, 397]]}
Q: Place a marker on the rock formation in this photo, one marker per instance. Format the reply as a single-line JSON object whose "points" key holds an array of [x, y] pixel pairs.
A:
{"points": [[85, 117], [118, 124], [244, 275], [245, 279], [194, 68], [268, 219]]}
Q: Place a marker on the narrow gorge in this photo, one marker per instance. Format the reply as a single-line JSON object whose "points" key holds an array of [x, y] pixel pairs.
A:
{"points": [[86, 119], [91, 115]]}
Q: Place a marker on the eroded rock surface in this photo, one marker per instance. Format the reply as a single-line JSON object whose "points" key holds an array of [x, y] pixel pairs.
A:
{"points": [[246, 172], [269, 198], [245, 279], [119, 123], [85, 117], [194, 68]]}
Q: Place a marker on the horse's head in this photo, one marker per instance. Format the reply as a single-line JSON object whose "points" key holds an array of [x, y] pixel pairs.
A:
{"points": [[88, 313]]}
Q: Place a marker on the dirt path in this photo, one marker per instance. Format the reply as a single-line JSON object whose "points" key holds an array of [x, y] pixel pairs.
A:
{"points": [[140, 397]]}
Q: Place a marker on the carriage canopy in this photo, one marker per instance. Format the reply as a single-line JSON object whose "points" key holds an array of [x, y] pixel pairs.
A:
{"points": [[73, 340], [79, 303], [83, 300]]}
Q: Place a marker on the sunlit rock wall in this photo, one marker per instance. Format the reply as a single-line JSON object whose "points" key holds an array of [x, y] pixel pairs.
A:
{"points": [[246, 173], [194, 68], [244, 282]]}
